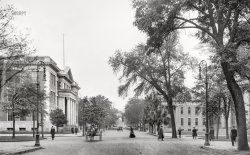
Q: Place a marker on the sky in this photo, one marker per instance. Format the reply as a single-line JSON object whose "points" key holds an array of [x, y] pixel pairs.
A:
{"points": [[93, 30]]}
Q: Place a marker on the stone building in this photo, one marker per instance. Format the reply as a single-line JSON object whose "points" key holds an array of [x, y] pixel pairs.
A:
{"points": [[188, 115], [61, 92]]}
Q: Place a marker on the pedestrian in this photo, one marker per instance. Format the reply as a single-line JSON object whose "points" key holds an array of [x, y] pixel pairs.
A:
{"points": [[76, 130], [161, 133], [194, 133], [132, 134], [233, 135], [211, 133], [52, 132], [72, 130], [179, 132]]}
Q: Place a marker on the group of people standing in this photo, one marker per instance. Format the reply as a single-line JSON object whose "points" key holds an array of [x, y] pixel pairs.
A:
{"points": [[233, 134]]}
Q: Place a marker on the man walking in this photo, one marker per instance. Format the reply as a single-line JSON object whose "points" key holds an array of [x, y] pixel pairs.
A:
{"points": [[179, 132], [233, 135], [52, 132], [161, 134], [211, 133], [194, 133]]}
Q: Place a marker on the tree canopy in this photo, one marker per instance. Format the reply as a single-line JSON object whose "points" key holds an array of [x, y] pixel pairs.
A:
{"points": [[223, 24], [162, 72], [97, 110], [134, 111], [58, 118]]}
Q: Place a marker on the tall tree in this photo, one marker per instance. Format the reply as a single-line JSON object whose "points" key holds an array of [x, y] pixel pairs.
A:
{"points": [[21, 98], [81, 113], [15, 51], [95, 110], [111, 118], [58, 118], [134, 111], [224, 24], [163, 71]]}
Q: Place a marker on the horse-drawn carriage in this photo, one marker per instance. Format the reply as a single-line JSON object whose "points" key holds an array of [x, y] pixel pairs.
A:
{"points": [[91, 133]]}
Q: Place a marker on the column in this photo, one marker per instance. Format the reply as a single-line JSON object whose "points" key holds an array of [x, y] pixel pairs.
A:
{"points": [[70, 111], [74, 112]]}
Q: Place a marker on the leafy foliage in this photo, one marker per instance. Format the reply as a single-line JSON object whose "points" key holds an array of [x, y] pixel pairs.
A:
{"points": [[134, 111], [22, 97], [224, 25], [57, 117], [97, 110], [162, 72], [15, 51]]}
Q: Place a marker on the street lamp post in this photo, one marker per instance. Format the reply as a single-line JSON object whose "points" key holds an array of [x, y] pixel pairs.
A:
{"points": [[40, 63], [202, 63]]}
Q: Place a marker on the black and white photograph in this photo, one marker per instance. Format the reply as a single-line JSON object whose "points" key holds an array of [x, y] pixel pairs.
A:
{"points": [[124, 77]]}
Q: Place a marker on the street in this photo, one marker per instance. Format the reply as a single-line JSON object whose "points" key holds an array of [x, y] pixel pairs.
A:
{"points": [[118, 143]]}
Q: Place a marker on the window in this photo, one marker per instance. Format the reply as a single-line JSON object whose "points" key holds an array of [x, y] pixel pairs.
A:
{"points": [[189, 129], [189, 110], [22, 129], [9, 129], [53, 79], [10, 116], [204, 121], [53, 97], [196, 121], [181, 110], [189, 121], [182, 121], [196, 110]]}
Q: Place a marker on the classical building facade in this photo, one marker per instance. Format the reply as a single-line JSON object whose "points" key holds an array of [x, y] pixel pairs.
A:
{"points": [[189, 115], [61, 92]]}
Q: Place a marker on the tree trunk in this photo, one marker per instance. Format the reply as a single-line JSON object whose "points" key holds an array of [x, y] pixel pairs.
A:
{"points": [[33, 119], [42, 123], [239, 106], [218, 120], [14, 121], [14, 126], [218, 127], [171, 111], [83, 128], [226, 121]]}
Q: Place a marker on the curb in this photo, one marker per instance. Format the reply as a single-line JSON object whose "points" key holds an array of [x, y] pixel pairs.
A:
{"points": [[24, 151]]}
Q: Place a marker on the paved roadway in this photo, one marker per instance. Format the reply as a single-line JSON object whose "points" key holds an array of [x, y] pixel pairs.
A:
{"points": [[118, 143]]}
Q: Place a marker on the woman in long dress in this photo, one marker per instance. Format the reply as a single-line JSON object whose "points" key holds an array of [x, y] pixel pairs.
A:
{"points": [[132, 135]]}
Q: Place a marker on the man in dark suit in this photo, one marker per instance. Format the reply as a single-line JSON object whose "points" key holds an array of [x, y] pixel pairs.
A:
{"points": [[233, 135], [161, 133], [52, 132]]}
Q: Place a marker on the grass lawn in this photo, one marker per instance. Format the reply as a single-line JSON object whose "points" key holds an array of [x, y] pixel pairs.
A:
{"points": [[17, 138]]}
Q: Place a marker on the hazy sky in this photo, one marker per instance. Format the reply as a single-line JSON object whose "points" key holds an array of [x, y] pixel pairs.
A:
{"points": [[93, 30]]}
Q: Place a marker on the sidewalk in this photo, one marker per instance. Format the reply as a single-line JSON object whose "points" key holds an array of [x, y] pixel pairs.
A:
{"points": [[7, 148], [214, 145]]}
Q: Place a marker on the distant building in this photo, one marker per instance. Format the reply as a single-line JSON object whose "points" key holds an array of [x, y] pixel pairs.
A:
{"points": [[189, 115], [61, 91]]}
